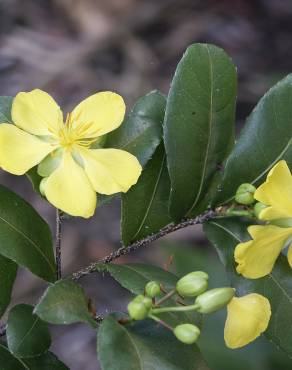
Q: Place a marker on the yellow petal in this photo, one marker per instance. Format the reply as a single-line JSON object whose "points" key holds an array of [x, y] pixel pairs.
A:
{"points": [[257, 257], [276, 193], [69, 189], [36, 112], [98, 114], [111, 170], [20, 151], [289, 255], [247, 318]]}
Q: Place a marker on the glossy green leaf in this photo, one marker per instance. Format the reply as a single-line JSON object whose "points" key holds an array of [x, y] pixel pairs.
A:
{"points": [[48, 361], [9, 362], [265, 139], [141, 132], [24, 236], [27, 335], [64, 303], [134, 276], [145, 205], [225, 234], [144, 346], [8, 270], [5, 109], [199, 124]]}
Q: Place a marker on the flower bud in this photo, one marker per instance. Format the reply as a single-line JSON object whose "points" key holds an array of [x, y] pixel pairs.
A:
{"points": [[187, 333], [152, 289], [145, 300], [214, 299], [42, 186], [244, 194], [258, 207], [192, 284], [139, 307]]}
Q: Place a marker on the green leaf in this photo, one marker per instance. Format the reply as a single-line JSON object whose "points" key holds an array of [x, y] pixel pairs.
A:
{"points": [[27, 335], [5, 109], [145, 205], [265, 139], [8, 270], [134, 276], [24, 236], [225, 234], [144, 346], [64, 303], [8, 361], [141, 132], [199, 124], [48, 361]]}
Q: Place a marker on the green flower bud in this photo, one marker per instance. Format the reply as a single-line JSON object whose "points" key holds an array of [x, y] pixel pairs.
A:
{"points": [[42, 186], [258, 207], [152, 289], [192, 284], [139, 307], [244, 194], [214, 299], [137, 310], [145, 300], [187, 333]]}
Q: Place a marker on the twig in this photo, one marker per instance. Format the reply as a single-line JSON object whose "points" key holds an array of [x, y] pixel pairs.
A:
{"points": [[143, 243], [120, 252], [58, 255]]}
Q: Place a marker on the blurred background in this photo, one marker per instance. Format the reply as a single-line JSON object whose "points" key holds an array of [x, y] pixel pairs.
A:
{"points": [[73, 48]]}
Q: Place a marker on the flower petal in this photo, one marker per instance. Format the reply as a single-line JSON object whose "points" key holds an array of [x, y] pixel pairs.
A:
{"points": [[247, 318], [111, 170], [276, 193], [257, 257], [69, 189], [98, 114], [36, 112], [20, 151]]}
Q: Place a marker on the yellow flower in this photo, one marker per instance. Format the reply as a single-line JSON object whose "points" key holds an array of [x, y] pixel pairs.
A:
{"points": [[247, 318], [74, 171], [257, 257]]}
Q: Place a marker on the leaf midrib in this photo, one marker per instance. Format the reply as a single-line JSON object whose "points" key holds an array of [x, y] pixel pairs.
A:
{"points": [[30, 241], [151, 199], [134, 346], [209, 136], [27, 333]]}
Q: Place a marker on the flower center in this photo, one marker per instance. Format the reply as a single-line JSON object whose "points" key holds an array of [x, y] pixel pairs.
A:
{"points": [[72, 134]]}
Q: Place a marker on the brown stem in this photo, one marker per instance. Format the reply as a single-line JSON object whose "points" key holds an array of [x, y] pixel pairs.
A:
{"points": [[58, 254], [121, 251], [143, 243]]}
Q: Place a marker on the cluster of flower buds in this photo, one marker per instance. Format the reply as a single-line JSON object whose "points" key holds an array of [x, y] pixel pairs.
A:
{"points": [[192, 285], [244, 197]]}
